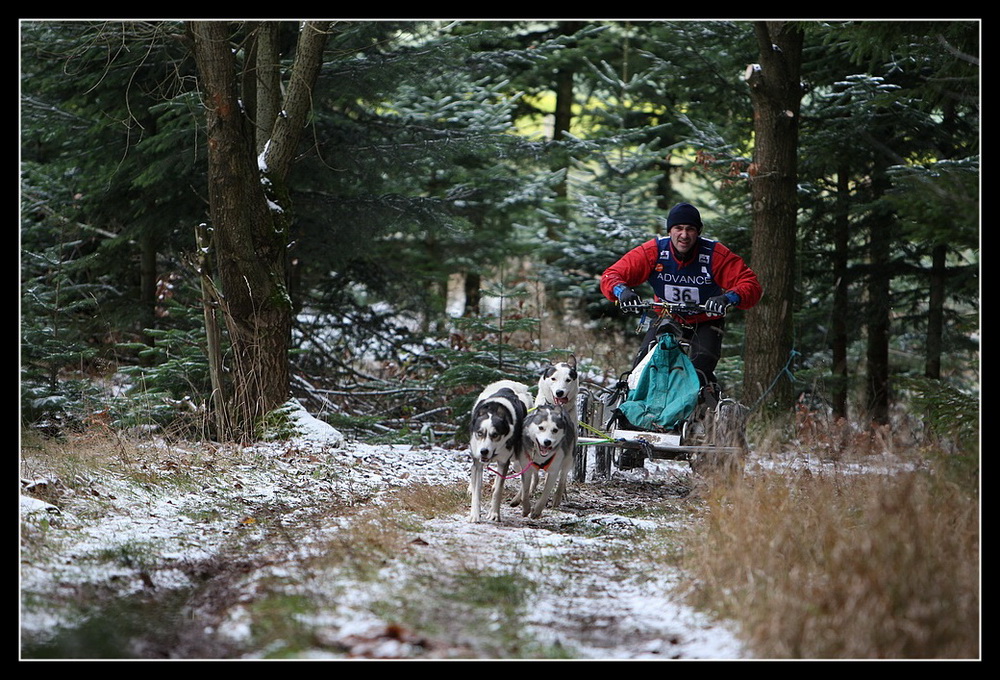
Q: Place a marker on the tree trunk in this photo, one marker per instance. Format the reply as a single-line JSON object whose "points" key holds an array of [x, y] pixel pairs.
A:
{"points": [[251, 253], [147, 284], [880, 229], [267, 81], [562, 117], [210, 305], [559, 158], [473, 283], [249, 238], [291, 117], [776, 92], [935, 313], [839, 340]]}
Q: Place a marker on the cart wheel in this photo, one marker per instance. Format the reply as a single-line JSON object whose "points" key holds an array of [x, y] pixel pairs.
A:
{"points": [[602, 458], [716, 463], [583, 408], [731, 425], [593, 412], [725, 427]]}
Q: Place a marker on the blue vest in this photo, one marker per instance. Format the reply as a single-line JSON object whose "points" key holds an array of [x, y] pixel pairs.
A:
{"points": [[693, 282]]}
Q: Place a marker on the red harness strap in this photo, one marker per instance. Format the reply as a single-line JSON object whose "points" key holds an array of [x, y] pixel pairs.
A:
{"points": [[545, 465]]}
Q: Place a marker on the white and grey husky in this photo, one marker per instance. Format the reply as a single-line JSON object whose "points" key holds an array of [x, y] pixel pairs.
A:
{"points": [[549, 436], [496, 438], [560, 384]]}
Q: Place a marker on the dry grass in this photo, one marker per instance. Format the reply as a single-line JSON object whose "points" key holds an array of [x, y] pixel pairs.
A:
{"points": [[77, 458], [380, 532], [844, 564], [428, 501]]}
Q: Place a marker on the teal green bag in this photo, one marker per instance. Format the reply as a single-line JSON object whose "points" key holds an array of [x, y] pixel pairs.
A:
{"points": [[667, 390]]}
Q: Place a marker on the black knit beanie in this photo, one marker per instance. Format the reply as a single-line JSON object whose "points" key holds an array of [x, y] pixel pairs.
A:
{"points": [[684, 213]]}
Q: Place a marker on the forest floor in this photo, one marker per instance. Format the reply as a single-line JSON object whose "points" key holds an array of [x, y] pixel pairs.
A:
{"points": [[321, 548]]}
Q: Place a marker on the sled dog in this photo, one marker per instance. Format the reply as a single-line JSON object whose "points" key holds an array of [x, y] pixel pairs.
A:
{"points": [[560, 384], [495, 438], [549, 444]]}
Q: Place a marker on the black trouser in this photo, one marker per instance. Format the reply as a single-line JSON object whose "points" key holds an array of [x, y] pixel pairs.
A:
{"points": [[705, 345]]}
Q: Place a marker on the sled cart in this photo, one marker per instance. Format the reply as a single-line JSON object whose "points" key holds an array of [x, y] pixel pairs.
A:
{"points": [[659, 409]]}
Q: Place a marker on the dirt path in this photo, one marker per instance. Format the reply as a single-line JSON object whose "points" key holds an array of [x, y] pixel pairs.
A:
{"points": [[572, 584], [305, 556]]}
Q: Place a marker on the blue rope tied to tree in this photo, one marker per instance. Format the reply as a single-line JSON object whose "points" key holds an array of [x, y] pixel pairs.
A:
{"points": [[785, 370]]}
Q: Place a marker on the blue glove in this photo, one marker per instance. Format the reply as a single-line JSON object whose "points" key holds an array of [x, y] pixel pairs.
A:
{"points": [[626, 295], [719, 304]]}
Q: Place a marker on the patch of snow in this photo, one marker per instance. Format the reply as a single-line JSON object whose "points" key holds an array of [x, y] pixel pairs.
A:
{"points": [[33, 508], [172, 527], [310, 428]]}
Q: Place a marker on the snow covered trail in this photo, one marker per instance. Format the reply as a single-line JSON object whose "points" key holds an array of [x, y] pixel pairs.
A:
{"points": [[587, 596]]}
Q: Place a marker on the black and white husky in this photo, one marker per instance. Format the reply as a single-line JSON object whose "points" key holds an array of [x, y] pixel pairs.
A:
{"points": [[496, 438], [560, 384], [549, 444]]}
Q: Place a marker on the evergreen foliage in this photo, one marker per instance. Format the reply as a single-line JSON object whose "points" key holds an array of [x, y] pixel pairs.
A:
{"points": [[172, 373], [426, 161], [57, 305], [876, 112]]}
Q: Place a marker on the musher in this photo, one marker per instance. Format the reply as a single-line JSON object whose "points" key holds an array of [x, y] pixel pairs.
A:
{"points": [[686, 267]]}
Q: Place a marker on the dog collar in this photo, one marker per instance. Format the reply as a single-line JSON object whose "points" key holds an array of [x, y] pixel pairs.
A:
{"points": [[544, 465]]}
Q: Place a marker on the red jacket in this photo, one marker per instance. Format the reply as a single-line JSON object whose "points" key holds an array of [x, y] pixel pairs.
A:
{"points": [[713, 270]]}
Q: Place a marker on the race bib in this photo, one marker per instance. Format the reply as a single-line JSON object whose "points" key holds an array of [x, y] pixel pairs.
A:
{"points": [[681, 295]]}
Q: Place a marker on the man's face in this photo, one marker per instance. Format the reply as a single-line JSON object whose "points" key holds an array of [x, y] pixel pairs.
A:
{"points": [[683, 236]]}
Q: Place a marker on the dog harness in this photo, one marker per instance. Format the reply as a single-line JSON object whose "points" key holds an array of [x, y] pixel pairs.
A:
{"points": [[513, 476], [543, 465]]}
